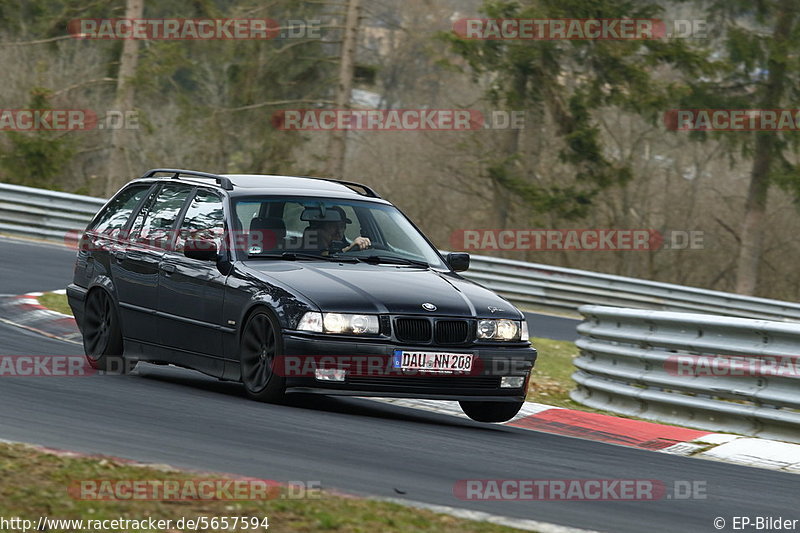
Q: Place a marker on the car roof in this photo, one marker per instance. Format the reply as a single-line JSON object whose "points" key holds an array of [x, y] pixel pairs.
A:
{"points": [[249, 184], [267, 184]]}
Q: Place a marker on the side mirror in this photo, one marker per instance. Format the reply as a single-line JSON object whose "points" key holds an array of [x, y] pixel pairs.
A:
{"points": [[459, 262], [200, 249]]}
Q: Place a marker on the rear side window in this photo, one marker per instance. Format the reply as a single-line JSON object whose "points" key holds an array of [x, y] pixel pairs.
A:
{"points": [[204, 220], [153, 225], [116, 214]]}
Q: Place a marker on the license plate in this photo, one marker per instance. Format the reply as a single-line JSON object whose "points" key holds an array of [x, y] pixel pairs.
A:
{"points": [[432, 361]]}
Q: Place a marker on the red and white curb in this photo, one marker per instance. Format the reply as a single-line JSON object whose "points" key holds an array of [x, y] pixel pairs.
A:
{"points": [[674, 440], [26, 312], [761, 453]]}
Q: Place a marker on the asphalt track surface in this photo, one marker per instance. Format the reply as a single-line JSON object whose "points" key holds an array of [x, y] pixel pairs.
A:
{"points": [[180, 417]]}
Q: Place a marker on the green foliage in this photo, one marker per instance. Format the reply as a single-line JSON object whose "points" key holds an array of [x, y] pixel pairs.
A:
{"points": [[225, 91], [570, 80], [787, 176], [36, 158], [224, 88], [49, 18], [756, 66]]}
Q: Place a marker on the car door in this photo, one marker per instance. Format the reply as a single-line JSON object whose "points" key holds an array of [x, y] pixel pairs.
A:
{"points": [[136, 264], [190, 291]]}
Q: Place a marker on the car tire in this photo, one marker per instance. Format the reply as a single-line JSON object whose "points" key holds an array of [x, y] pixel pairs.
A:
{"points": [[260, 345], [102, 334], [491, 411]]}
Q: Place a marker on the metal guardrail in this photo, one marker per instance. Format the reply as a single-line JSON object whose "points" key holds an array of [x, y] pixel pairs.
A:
{"points": [[43, 214], [710, 372], [536, 284], [49, 215]]}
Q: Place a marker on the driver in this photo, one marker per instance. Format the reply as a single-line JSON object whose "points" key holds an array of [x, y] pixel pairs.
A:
{"points": [[330, 235]]}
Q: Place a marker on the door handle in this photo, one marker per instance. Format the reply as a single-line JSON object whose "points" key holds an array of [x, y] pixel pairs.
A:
{"points": [[120, 256], [168, 268]]}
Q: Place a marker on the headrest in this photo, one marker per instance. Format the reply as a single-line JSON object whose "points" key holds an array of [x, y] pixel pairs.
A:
{"points": [[270, 231], [268, 223]]}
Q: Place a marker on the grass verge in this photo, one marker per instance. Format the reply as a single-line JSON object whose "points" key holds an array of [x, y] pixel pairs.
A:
{"points": [[56, 302], [551, 379], [36, 484]]}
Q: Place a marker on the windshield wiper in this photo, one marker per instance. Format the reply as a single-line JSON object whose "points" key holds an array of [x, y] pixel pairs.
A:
{"points": [[377, 259], [294, 256]]}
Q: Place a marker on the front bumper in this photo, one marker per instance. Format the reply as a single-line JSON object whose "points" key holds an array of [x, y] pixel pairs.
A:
{"points": [[363, 378]]}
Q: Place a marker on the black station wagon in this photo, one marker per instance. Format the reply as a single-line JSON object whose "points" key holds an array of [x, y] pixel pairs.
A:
{"points": [[292, 284]]}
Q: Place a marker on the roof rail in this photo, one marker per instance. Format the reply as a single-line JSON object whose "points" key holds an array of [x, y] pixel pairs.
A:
{"points": [[223, 182], [365, 190]]}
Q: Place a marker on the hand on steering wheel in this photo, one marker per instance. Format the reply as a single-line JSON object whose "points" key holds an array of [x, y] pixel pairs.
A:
{"points": [[362, 242]]}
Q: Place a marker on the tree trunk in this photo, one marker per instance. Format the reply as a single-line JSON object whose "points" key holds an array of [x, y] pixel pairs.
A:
{"points": [[511, 147], [756, 205], [753, 224], [119, 168], [337, 143]]}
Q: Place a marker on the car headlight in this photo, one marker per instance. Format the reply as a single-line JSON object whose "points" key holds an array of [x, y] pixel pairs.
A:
{"points": [[339, 323], [500, 330]]}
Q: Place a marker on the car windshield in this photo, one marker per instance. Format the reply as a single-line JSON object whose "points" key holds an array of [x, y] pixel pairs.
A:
{"points": [[270, 227]]}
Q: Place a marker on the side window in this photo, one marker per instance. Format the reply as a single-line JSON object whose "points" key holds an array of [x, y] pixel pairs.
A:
{"points": [[116, 215], [204, 220], [154, 223]]}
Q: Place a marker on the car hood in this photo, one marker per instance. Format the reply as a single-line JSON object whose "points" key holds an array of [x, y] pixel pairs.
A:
{"points": [[390, 289]]}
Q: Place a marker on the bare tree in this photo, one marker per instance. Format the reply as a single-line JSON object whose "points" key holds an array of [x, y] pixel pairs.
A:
{"points": [[119, 165], [753, 226], [337, 143]]}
